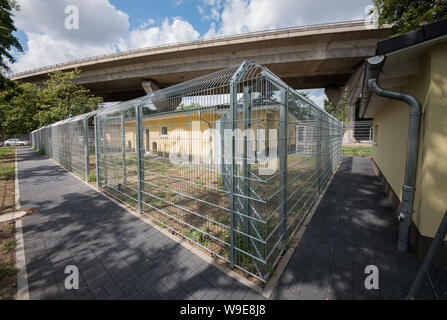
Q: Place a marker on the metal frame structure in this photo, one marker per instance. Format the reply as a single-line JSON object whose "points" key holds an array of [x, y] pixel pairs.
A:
{"points": [[67, 142], [216, 160]]}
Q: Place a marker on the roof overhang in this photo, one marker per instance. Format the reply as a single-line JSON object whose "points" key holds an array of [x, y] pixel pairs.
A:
{"points": [[393, 67]]}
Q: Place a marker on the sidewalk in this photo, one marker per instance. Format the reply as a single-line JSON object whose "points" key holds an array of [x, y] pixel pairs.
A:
{"points": [[118, 256], [353, 227]]}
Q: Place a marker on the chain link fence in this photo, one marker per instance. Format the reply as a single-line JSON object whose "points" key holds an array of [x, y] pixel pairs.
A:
{"points": [[232, 161]]}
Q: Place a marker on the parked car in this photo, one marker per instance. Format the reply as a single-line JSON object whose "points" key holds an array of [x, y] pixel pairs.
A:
{"points": [[1, 144], [16, 142]]}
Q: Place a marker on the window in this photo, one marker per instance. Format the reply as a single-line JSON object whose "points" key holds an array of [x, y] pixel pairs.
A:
{"points": [[164, 131]]}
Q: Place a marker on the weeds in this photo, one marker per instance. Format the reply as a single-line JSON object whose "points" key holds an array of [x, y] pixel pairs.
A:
{"points": [[7, 269], [8, 245], [92, 176], [7, 171]]}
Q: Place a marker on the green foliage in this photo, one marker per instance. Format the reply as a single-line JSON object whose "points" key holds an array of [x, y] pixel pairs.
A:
{"points": [[341, 109], [63, 98], [357, 151], [408, 15], [197, 237], [41, 150], [8, 42], [191, 106], [92, 176], [8, 245], [25, 107], [6, 152], [18, 106], [7, 171], [7, 270]]}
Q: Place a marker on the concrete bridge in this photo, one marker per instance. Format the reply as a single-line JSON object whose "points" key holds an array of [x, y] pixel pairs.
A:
{"points": [[318, 56]]}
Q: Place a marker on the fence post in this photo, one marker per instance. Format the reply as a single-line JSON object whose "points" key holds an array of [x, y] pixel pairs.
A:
{"points": [[232, 180], [123, 147], [428, 260], [139, 140], [98, 183], [245, 165], [283, 119], [86, 148], [318, 153]]}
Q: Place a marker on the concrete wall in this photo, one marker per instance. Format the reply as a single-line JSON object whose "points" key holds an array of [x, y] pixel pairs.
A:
{"points": [[430, 87]]}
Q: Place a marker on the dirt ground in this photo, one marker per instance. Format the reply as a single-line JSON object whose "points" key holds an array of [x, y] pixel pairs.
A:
{"points": [[8, 271]]}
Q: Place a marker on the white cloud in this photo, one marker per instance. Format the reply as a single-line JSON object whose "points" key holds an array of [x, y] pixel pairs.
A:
{"points": [[177, 31], [316, 95], [101, 25], [239, 16], [104, 28]]}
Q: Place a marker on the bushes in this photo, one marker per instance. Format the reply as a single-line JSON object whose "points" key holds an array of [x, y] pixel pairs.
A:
{"points": [[92, 176]]}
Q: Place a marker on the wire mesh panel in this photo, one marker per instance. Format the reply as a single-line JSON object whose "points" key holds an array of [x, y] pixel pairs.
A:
{"points": [[67, 143], [358, 132], [232, 161], [431, 280]]}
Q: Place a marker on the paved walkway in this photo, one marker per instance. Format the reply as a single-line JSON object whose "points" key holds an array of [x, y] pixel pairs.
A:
{"points": [[354, 226], [118, 256]]}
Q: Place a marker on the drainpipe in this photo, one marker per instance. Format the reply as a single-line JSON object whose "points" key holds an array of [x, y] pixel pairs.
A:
{"points": [[373, 68]]}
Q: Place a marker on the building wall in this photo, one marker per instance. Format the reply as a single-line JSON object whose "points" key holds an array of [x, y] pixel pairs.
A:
{"points": [[430, 87]]}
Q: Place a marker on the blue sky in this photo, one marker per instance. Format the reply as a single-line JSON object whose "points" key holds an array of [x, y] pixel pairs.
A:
{"points": [[117, 25]]}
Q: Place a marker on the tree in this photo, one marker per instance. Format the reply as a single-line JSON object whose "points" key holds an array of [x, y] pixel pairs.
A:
{"points": [[18, 106], [25, 107], [7, 40], [408, 15], [341, 110], [62, 98]]}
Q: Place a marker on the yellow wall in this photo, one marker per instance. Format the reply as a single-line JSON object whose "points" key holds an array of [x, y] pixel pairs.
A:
{"points": [[430, 87]]}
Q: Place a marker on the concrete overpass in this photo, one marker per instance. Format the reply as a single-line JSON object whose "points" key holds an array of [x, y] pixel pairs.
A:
{"points": [[318, 56]]}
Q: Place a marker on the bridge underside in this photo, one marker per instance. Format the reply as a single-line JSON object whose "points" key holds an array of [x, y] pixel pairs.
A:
{"points": [[304, 58]]}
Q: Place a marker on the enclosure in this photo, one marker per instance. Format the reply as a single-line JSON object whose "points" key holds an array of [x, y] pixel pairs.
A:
{"points": [[232, 160], [69, 142]]}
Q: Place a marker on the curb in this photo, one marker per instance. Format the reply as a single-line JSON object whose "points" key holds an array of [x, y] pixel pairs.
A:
{"points": [[22, 275]]}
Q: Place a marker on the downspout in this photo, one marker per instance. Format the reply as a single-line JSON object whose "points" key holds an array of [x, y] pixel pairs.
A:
{"points": [[373, 68]]}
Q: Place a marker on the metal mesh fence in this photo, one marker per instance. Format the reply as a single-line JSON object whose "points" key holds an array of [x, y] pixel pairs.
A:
{"points": [[67, 142], [358, 132], [232, 161]]}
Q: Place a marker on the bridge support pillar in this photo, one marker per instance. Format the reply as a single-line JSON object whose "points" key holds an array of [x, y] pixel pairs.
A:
{"points": [[149, 86]]}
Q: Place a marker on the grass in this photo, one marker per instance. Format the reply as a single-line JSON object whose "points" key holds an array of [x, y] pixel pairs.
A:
{"points": [[7, 176], [92, 176], [8, 245], [8, 270], [357, 151]]}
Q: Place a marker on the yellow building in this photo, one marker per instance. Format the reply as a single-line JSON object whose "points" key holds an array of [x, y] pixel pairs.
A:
{"points": [[195, 132], [414, 63]]}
